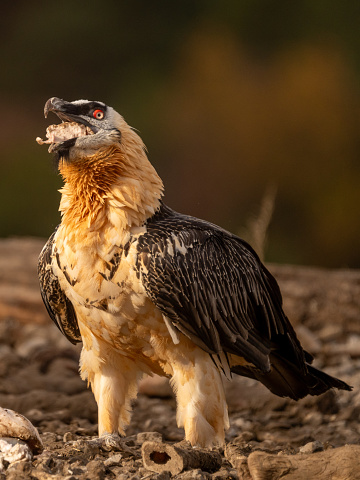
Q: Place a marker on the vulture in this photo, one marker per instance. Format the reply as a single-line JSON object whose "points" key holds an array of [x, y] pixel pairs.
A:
{"points": [[148, 290]]}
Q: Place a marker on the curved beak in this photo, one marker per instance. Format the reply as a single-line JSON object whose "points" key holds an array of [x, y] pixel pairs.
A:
{"points": [[56, 105], [66, 111]]}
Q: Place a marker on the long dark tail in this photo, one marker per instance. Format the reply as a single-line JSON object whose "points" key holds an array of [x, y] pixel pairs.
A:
{"points": [[287, 380]]}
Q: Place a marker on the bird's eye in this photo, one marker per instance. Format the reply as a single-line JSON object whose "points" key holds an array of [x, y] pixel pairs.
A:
{"points": [[98, 114]]}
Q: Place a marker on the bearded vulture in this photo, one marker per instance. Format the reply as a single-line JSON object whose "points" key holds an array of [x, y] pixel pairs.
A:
{"points": [[148, 290]]}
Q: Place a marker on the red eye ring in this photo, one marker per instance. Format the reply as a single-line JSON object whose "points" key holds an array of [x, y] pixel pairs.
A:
{"points": [[98, 114]]}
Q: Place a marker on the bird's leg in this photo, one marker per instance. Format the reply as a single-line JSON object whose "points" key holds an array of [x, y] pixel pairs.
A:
{"points": [[114, 385], [201, 404]]}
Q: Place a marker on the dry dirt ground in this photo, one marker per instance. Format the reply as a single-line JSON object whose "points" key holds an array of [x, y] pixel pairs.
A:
{"points": [[39, 378]]}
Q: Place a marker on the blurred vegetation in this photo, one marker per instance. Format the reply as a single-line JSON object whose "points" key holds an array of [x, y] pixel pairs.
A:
{"points": [[232, 98]]}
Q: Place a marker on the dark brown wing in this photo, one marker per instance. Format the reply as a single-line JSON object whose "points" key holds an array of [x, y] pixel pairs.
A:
{"points": [[56, 302], [213, 288]]}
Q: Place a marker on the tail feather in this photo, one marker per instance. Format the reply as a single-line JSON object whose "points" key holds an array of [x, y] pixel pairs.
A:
{"points": [[287, 380], [325, 382]]}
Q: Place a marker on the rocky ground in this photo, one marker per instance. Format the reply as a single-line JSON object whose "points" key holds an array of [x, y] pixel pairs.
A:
{"points": [[39, 378]]}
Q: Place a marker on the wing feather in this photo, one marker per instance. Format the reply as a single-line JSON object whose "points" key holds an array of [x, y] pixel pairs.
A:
{"points": [[56, 302], [212, 286]]}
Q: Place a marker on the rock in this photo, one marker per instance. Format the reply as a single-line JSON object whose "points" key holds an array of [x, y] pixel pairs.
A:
{"points": [[340, 463], [14, 425], [122, 476], [96, 470], [81, 445], [148, 437], [314, 418], [12, 451], [329, 332], [8, 359], [35, 415], [194, 475], [245, 437], [327, 403], [30, 345], [164, 476], [225, 474], [312, 447], [19, 470], [350, 347], [49, 437], [114, 460], [69, 437], [237, 456]]}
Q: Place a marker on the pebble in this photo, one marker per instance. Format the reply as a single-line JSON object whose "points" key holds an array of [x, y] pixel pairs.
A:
{"points": [[5, 350], [77, 470], [49, 437], [245, 437], [85, 447], [194, 475], [154, 425], [164, 476], [312, 447], [329, 332], [35, 415], [114, 460], [175, 435], [95, 469], [314, 418], [148, 437], [12, 451], [226, 475], [69, 437], [20, 470], [242, 424], [29, 346]]}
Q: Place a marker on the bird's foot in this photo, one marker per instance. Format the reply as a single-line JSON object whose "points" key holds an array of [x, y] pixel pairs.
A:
{"points": [[107, 442]]}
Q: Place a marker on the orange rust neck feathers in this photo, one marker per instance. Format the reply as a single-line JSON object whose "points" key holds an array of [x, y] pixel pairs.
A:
{"points": [[116, 186]]}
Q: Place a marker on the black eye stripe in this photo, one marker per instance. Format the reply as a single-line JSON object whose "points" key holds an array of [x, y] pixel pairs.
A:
{"points": [[85, 108]]}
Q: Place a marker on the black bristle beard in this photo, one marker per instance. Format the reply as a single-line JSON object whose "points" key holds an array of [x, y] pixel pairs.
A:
{"points": [[62, 152]]}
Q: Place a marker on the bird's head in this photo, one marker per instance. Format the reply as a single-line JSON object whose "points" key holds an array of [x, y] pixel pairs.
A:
{"points": [[86, 127], [103, 163]]}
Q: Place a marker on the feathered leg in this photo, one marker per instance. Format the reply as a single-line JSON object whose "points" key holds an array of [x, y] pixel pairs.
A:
{"points": [[201, 404], [114, 384]]}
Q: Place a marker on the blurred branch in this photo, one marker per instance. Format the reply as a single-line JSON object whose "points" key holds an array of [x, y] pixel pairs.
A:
{"points": [[256, 229]]}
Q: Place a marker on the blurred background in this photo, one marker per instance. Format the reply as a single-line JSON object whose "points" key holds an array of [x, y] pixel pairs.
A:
{"points": [[250, 111]]}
